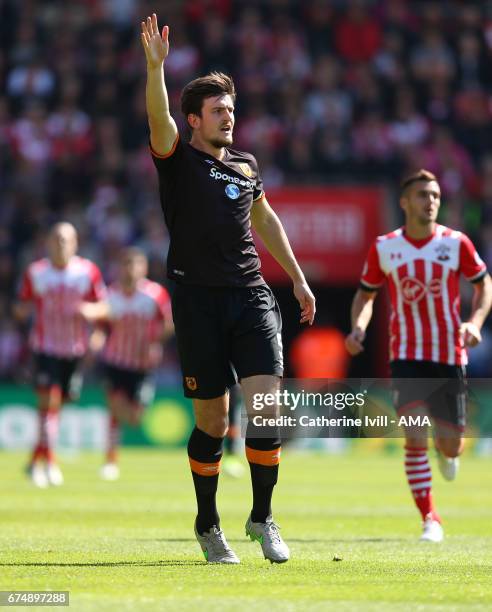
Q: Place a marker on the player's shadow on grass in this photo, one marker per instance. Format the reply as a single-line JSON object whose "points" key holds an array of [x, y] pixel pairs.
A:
{"points": [[184, 540], [296, 540], [345, 540], [166, 563]]}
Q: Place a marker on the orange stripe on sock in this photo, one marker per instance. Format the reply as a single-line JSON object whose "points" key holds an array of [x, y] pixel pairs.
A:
{"points": [[269, 457], [204, 469]]}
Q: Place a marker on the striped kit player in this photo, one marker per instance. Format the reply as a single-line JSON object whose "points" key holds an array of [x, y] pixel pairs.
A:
{"points": [[51, 291], [423, 282], [133, 322], [422, 263]]}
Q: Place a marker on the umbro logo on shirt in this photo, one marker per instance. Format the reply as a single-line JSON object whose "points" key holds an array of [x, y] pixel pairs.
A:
{"points": [[209, 161]]}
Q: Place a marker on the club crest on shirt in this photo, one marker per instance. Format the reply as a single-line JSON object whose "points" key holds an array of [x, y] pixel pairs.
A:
{"points": [[191, 383], [246, 169], [442, 252], [232, 191]]}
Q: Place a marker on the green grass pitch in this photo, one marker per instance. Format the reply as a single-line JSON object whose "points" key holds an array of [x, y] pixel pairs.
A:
{"points": [[129, 545]]}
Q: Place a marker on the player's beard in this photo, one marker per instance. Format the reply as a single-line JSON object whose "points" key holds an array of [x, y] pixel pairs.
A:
{"points": [[218, 143]]}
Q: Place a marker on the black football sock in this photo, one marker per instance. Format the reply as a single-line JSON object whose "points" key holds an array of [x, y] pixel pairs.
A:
{"points": [[205, 453], [263, 455]]}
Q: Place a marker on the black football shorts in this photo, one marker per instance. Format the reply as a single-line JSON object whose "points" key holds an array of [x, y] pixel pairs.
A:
{"points": [[224, 334], [137, 386], [59, 372], [438, 386]]}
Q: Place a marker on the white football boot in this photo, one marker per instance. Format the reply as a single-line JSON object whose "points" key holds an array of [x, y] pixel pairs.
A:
{"points": [[432, 530], [110, 472], [215, 547], [54, 474], [267, 534], [37, 474], [448, 466]]}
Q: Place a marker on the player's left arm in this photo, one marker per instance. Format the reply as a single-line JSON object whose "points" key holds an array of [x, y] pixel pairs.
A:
{"points": [[269, 228], [23, 307], [167, 329], [481, 304], [95, 311], [474, 270], [164, 315]]}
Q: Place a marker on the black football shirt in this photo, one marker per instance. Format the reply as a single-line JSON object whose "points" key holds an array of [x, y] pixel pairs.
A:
{"points": [[207, 204]]}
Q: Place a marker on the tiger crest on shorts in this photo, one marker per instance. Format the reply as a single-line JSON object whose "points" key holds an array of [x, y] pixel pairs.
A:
{"points": [[191, 383]]}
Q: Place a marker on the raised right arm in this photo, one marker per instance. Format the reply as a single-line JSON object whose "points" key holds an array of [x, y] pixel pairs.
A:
{"points": [[163, 130]]}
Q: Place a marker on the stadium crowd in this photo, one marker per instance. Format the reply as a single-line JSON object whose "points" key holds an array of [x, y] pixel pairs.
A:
{"points": [[329, 91]]}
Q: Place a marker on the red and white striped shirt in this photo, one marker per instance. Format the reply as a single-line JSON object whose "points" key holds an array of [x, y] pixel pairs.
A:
{"points": [[423, 279], [58, 329], [136, 321]]}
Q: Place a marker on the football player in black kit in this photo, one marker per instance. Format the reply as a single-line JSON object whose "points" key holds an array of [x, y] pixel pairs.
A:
{"points": [[227, 320]]}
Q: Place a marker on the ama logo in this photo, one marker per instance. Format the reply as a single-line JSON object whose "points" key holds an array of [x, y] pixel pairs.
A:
{"points": [[232, 191]]}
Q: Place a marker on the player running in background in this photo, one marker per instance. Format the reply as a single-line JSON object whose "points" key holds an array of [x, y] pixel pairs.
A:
{"points": [[227, 319], [422, 262], [52, 290], [138, 319], [231, 463]]}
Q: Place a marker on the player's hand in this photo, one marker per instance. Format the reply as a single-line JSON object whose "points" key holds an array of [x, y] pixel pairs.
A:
{"points": [[97, 341], [93, 311], [156, 45], [470, 334], [306, 300], [353, 342], [84, 310]]}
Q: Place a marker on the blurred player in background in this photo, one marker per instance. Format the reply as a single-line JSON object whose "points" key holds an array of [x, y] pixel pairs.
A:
{"points": [[231, 463], [422, 262], [51, 291], [223, 310], [138, 319]]}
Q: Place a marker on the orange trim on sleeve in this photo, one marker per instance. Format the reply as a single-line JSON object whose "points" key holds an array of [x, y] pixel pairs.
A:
{"points": [[159, 156], [268, 458], [262, 194], [204, 469]]}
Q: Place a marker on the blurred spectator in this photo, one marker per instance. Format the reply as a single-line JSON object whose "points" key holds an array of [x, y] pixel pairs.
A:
{"points": [[11, 344], [357, 33], [432, 60]]}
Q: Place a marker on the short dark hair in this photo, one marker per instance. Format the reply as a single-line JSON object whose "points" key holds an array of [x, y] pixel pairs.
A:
{"points": [[132, 252], [208, 86], [420, 175]]}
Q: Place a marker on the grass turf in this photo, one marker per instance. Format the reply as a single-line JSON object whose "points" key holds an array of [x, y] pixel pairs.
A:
{"points": [[129, 545]]}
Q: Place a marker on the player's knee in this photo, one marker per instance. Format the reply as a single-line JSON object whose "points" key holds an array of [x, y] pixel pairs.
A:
{"points": [[215, 425], [50, 398], [450, 447], [416, 442], [217, 429]]}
